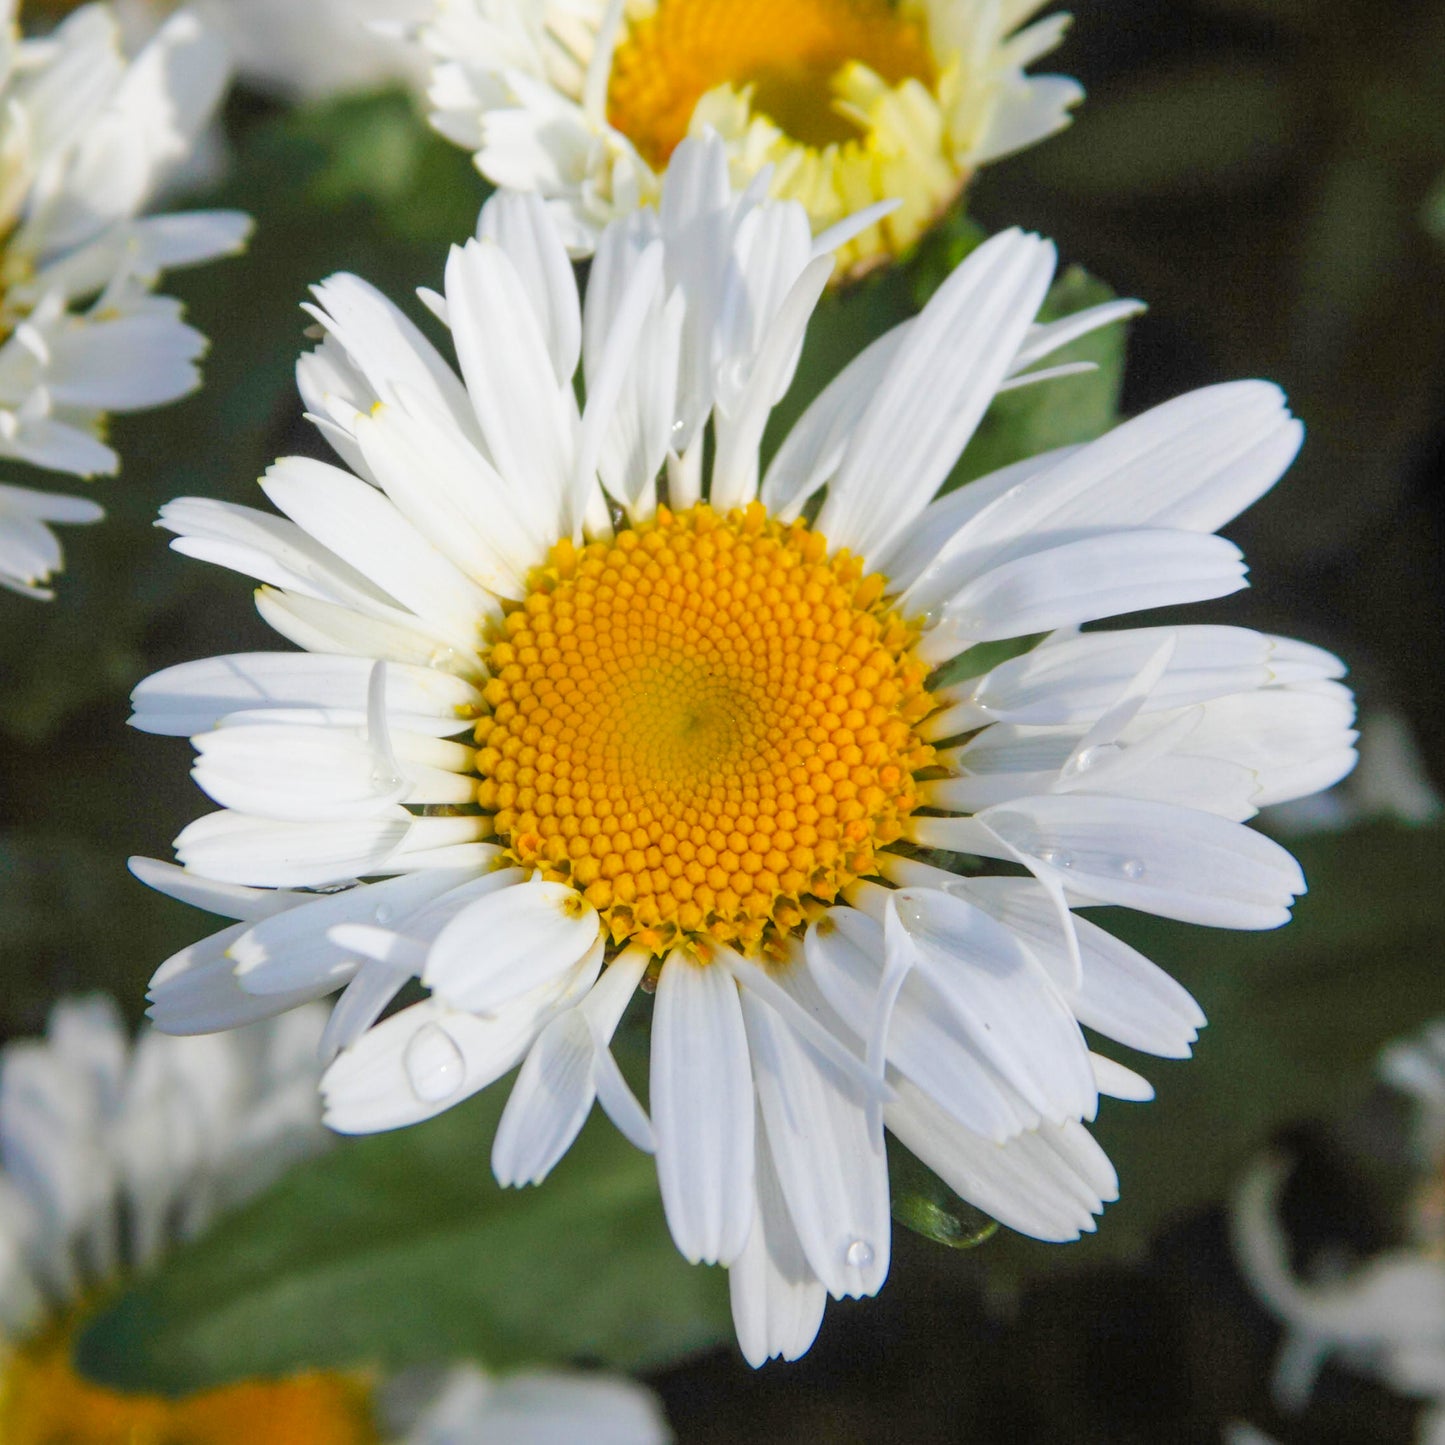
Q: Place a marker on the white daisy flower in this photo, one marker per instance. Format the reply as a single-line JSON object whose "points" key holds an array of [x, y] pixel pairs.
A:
{"points": [[841, 102], [86, 139], [111, 1152], [300, 49], [552, 738], [1387, 1316]]}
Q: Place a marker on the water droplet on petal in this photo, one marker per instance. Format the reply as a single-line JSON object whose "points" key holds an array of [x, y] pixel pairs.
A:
{"points": [[434, 1064], [382, 913], [1056, 857], [1132, 868], [1099, 753], [384, 780], [678, 427], [858, 1255]]}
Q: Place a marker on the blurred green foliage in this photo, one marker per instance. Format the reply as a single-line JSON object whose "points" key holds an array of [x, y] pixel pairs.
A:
{"points": [[400, 1249]]}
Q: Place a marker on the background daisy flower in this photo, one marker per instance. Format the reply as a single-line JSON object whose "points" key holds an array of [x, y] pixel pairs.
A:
{"points": [[87, 139], [594, 702], [842, 102], [300, 49], [1386, 1316], [112, 1152]]}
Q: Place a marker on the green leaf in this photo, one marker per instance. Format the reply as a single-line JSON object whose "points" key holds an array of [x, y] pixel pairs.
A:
{"points": [[401, 1249], [1050, 414], [376, 149], [923, 1203]]}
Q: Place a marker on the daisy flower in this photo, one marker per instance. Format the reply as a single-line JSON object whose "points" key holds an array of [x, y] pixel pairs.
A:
{"points": [[590, 701], [111, 1152], [842, 102], [1387, 1316], [86, 139]]}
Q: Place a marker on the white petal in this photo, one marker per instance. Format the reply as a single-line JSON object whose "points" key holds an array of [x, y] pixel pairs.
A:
{"points": [[269, 548], [230, 900], [940, 384], [320, 626], [919, 544], [827, 1144], [239, 848], [528, 424], [925, 1042], [440, 480], [1083, 581], [812, 451], [548, 1104], [1120, 992], [735, 469], [420, 1062], [186, 699], [702, 1110], [611, 384], [1027, 1183], [519, 223], [1027, 113], [236, 848], [195, 991], [364, 528], [1118, 1082], [1014, 1016], [1176, 862], [777, 1301], [388, 348], [293, 950], [1074, 679], [361, 1003], [1048, 337], [509, 943]]}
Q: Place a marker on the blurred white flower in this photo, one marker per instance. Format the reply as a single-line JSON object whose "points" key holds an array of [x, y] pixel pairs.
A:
{"points": [[705, 744], [86, 140], [304, 50], [835, 103], [111, 1152], [1385, 1317]]}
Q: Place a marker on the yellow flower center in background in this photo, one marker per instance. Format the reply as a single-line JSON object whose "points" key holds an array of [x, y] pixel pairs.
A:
{"points": [[706, 725], [44, 1402], [789, 51]]}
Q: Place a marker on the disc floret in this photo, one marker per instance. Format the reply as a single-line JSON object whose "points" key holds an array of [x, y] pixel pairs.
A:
{"points": [[706, 725]]}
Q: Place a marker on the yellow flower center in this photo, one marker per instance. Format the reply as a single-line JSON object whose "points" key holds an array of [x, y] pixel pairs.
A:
{"points": [[44, 1402], [705, 725], [789, 51]]}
